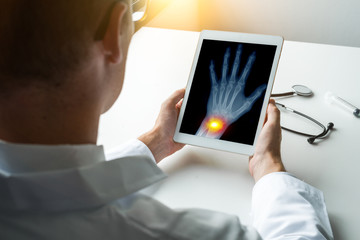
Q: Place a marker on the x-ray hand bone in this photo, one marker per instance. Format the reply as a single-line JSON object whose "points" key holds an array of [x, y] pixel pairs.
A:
{"points": [[227, 101]]}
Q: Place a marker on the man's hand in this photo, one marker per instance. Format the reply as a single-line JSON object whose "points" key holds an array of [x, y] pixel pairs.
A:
{"points": [[160, 139], [267, 157]]}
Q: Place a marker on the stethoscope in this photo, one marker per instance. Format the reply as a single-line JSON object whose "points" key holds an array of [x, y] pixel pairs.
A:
{"points": [[301, 90]]}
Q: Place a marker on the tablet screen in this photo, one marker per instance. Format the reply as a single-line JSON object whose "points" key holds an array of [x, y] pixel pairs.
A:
{"points": [[227, 90]]}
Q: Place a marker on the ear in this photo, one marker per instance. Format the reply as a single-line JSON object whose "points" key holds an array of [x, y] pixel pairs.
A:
{"points": [[113, 35]]}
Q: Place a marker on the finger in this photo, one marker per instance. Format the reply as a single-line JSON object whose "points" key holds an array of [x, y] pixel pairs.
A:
{"points": [[176, 97], [235, 69], [225, 65], [257, 93], [245, 73], [266, 116], [213, 75], [271, 102], [179, 104], [273, 112]]}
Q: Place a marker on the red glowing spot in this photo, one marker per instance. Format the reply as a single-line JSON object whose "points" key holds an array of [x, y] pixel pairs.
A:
{"points": [[215, 124]]}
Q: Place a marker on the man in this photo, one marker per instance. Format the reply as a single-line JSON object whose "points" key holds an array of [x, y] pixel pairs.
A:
{"points": [[62, 65]]}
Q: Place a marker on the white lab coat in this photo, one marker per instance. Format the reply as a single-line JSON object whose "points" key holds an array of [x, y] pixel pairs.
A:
{"points": [[72, 192]]}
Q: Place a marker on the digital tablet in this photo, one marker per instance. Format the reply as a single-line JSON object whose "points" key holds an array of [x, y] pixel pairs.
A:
{"points": [[228, 91]]}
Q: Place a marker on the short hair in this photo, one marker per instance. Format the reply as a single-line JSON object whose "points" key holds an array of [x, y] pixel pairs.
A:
{"points": [[42, 39]]}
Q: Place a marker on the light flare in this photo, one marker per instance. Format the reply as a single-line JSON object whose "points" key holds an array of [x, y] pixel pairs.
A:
{"points": [[215, 124]]}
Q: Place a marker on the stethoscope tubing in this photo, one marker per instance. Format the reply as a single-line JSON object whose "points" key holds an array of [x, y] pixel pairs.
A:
{"points": [[282, 94], [311, 138]]}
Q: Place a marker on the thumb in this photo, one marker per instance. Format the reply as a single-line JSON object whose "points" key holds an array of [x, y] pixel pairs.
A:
{"points": [[176, 97], [273, 113]]}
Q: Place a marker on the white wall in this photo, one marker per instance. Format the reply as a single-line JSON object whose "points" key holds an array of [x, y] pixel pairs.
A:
{"points": [[319, 21]]}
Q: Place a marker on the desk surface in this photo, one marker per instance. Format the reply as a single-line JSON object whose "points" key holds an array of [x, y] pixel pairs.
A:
{"points": [[159, 62]]}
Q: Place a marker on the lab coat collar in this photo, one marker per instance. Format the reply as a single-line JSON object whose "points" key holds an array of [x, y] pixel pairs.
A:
{"points": [[25, 158], [68, 177]]}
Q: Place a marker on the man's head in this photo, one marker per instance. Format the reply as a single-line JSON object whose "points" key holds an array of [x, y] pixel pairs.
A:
{"points": [[49, 40], [61, 58], [42, 38]]}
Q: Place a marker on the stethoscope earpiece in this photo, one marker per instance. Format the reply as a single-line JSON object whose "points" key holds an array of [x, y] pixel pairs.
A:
{"points": [[311, 138], [330, 126], [301, 90]]}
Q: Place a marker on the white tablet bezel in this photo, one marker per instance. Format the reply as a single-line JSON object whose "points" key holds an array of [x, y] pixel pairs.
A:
{"points": [[218, 143]]}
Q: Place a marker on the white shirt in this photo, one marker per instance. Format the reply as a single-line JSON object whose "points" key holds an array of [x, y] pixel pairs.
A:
{"points": [[72, 192]]}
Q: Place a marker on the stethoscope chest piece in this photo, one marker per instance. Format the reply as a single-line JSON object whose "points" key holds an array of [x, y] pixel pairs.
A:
{"points": [[302, 90], [299, 90]]}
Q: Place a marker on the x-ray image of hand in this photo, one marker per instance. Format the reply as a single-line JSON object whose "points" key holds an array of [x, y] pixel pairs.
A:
{"points": [[227, 101]]}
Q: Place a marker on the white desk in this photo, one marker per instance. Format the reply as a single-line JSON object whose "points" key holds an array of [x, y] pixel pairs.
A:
{"points": [[159, 62]]}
